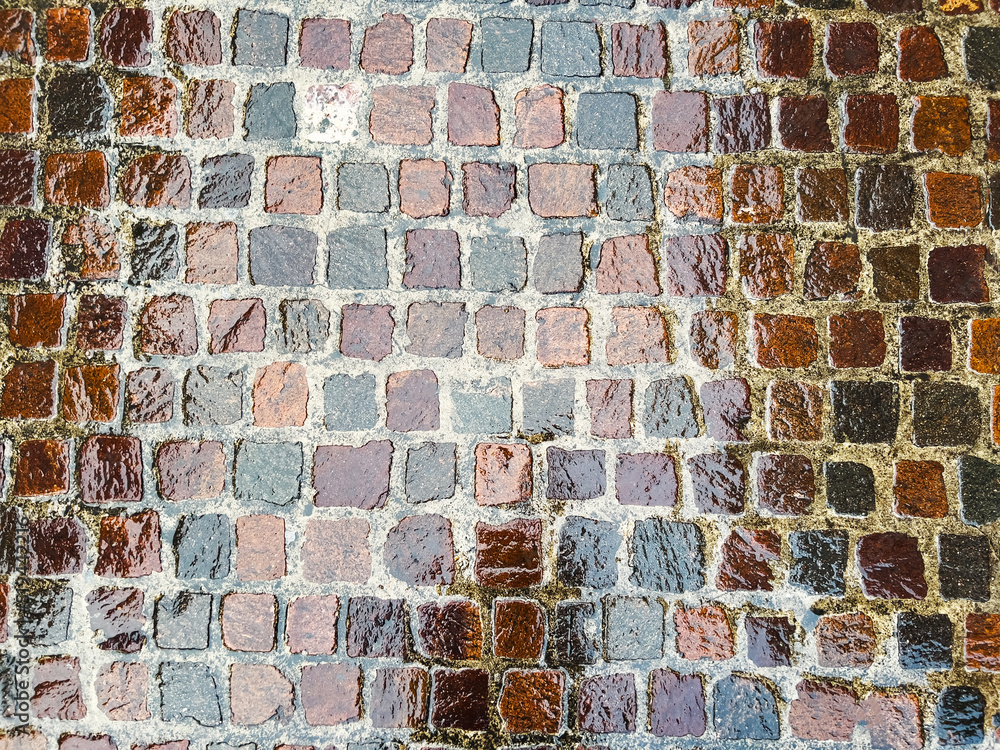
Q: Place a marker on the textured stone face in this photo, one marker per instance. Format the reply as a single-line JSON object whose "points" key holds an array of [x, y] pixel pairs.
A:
{"points": [[617, 372]]}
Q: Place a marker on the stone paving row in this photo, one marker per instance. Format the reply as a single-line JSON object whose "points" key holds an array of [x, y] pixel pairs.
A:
{"points": [[505, 375]]}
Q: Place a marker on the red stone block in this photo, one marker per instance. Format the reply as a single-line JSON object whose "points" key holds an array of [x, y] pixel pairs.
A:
{"points": [[424, 188], [293, 185], [627, 267], [767, 264], [399, 698], [757, 194], [891, 566], [249, 621], [694, 193], [412, 401], [851, 49], [919, 489], [921, 56], [331, 694], [42, 468], [366, 331], [713, 338], [487, 189], [236, 325], [610, 404], [982, 642], [562, 337], [786, 484], [125, 36], [111, 469], [538, 117], [98, 244], [532, 701], [503, 474], [954, 201], [100, 322], [336, 550], [450, 630], [447, 45], [857, 339], [168, 326], [803, 124], [79, 179], [157, 181], [746, 558], [680, 121], [325, 43], [639, 51], [90, 393], [518, 629], [36, 320], [500, 332], [509, 555], [845, 641], [714, 47], [402, 115], [871, 124], [15, 36], [15, 105], [311, 624], [460, 699], [353, 477], [784, 48], [696, 265], [562, 190], [67, 33], [129, 546], [784, 341], [194, 38], [794, 411], [941, 123], [638, 336], [190, 470], [17, 177], [704, 633], [29, 391], [388, 46], [823, 711], [473, 116], [260, 548], [210, 109], [148, 107]]}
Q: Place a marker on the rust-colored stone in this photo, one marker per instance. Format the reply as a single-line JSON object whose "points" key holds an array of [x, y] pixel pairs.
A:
{"points": [[784, 340], [79, 179], [694, 193], [982, 641], [532, 701], [941, 123], [90, 392], [919, 489], [984, 345]]}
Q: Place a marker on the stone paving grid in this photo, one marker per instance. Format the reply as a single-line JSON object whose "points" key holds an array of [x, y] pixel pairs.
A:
{"points": [[731, 477]]}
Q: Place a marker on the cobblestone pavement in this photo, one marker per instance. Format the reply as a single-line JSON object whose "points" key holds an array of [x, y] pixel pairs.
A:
{"points": [[502, 374]]}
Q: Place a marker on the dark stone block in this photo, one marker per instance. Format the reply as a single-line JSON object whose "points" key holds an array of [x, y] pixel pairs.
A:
{"points": [[925, 641], [960, 715], [667, 556], [864, 412], [850, 488], [587, 553], [979, 490], [575, 475], [576, 623], [155, 255], [946, 414], [965, 567], [819, 560]]}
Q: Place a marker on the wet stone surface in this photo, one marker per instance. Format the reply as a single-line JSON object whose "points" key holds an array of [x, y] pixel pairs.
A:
{"points": [[597, 374]]}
